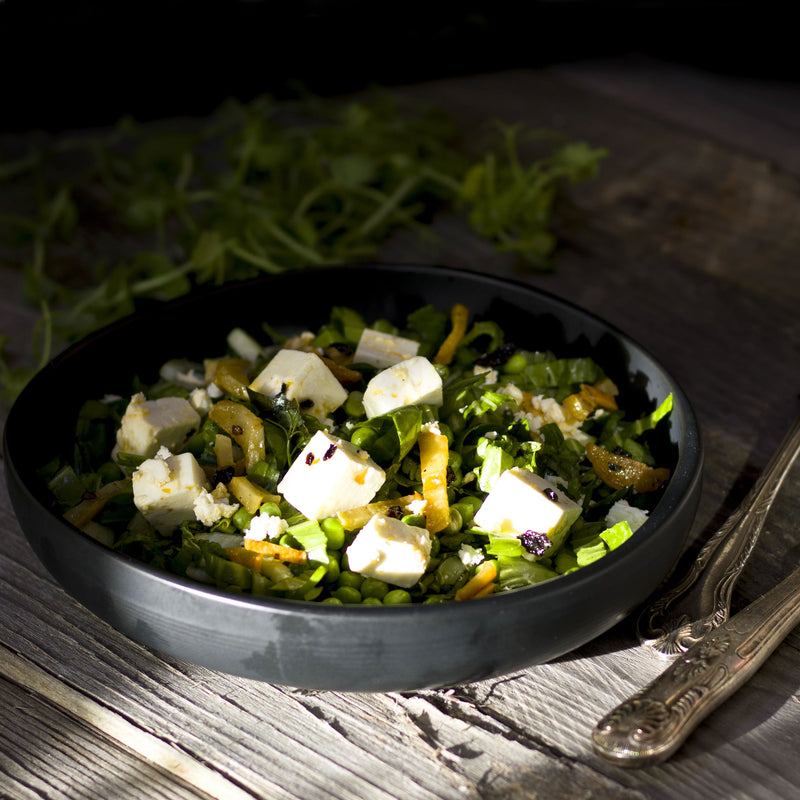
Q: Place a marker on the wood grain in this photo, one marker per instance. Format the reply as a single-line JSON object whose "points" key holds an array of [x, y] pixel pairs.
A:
{"points": [[687, 240]]}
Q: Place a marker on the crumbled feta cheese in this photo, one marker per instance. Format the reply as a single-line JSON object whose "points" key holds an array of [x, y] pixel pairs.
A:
{"points": [[148, 424], [211, 507], [470, 556], [417, 505], [522, 501], [381, 350], [305, 378], [266, 526], [410, 382], [201, 401], [622, 510], [330, 475], [388, 549], [165, 489], [541, 410]]}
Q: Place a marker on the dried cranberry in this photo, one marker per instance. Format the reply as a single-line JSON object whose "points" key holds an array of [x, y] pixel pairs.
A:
{"points": [[535, 543], [497, 356], [223, 475]]}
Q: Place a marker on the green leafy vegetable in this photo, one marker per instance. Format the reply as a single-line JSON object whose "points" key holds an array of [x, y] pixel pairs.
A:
{"points": [[261, 188]]}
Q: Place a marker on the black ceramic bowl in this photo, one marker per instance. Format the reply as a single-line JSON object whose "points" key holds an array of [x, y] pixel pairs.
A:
{"points": [[320, 646]]}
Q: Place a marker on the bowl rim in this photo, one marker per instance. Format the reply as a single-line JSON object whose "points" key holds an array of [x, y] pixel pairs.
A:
{"points": [[684, 474]]}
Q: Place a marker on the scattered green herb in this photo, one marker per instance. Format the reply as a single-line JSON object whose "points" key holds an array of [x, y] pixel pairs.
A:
{"points": [[258, 188]]}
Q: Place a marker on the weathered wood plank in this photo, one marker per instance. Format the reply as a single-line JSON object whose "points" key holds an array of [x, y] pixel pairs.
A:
{"points": [[45, 752], [687, 240]]}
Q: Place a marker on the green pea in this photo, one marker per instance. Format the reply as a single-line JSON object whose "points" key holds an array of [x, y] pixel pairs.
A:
{"points": [[363, 437], [352, 579], [270, 509], [347, 594], [417, 520], [373, 588], [455, 523], [515, 364], [371, 601], [334, 532], [467, 507], [241, 518], [332, 571], [396, 597], [332, 601]]}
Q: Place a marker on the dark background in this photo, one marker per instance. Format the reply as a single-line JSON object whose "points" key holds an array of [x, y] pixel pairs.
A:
{"points": [[74, 63]]}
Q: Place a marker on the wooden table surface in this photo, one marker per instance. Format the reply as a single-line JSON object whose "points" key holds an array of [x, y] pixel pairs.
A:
{"points": [[688, 240]]}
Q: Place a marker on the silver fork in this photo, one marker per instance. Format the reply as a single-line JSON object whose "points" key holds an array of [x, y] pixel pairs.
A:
{"points": [[700, 600]]}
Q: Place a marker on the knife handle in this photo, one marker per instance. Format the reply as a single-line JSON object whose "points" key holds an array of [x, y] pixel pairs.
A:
{"points": [[652, 724], [701, 600]]}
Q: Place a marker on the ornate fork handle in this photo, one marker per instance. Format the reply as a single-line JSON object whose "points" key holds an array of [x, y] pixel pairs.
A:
{"points": [[700, 601], [653, 723]]}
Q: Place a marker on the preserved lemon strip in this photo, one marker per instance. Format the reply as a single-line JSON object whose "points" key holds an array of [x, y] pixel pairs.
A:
{"points": [[249, 494], [231, 375], [354, 518], [459, 315], [580, 405], [91, 506], [244, 426], [433, 457], [618, 471], [480, 584], [283, 553]]}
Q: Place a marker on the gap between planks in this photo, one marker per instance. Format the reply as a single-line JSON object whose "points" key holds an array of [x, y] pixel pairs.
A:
{"points": [[111, 724]]}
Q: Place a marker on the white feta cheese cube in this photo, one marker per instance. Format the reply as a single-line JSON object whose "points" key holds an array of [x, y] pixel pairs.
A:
{"points": [[522, 502], [388, 549], [211, 507], [305, 378], [410, 382], [330, 475], [623, 510], [380, 349], [149, 424], [165, 489]]}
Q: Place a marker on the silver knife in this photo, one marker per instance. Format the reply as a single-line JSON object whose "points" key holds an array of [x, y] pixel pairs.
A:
{"points": [[652, 724]]}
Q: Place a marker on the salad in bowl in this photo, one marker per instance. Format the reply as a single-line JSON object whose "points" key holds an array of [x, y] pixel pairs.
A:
{"points": [[424, 459]]}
